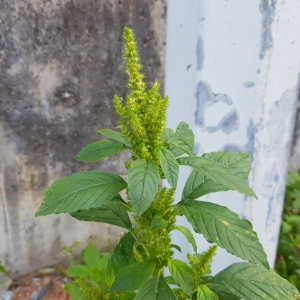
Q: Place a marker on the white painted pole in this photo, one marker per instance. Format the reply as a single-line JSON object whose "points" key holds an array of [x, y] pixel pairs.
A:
{"points": [[232, 71]]}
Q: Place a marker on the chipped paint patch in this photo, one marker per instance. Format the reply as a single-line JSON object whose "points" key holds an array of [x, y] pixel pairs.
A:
{"points": [[205, 98], [228, 124], [200, 53], [268, 11], [249, 146], [248, 84]]}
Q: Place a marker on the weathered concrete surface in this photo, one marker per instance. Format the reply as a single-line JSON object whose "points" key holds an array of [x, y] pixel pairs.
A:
{"points": [[60, 65]]}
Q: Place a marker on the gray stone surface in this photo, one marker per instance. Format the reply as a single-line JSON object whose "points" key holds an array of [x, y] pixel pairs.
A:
{"points": [[60, 65]]}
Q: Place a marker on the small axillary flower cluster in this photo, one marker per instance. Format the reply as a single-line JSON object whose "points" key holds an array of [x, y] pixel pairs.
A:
{"points": [[158, 242], [200, 264], [143, 118]]}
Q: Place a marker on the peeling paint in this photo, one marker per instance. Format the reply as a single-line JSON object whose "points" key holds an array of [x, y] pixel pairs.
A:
{"points": [[205, 98], [249, 146], [249, 84], [200, 53], [268, 11], [228, 124]]}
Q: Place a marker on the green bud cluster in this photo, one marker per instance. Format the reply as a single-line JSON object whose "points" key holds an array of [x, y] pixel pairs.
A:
{"points": [[93, 292], [200, 264], [143, 118], [158, 241], [161, 205]]}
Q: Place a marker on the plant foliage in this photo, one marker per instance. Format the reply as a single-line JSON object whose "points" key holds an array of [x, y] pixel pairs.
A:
{"points": [[288, 252], [136, 268]]}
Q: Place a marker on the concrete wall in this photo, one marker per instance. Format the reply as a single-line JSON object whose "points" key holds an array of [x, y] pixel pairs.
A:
{"points": [[60, 65], [232, 72]]}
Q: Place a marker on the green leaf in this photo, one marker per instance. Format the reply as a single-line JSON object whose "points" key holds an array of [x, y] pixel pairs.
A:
{"points": [[78, 270], [109, 274], [188, 235], [204, 293], [170, 280], [155, 289], [91, 254], [72, 288], [223, 293], [176, 247], [198, 185], [132, 277], [123, 253], [80, 191], [181, 273], [143, 180], [221, 226], [114, 135], [185, 133], [99, 150], [179, 147], [218, 173], [168, 134], [169, 166], [158, 222], [251, 281], [112, 212], [126, 296], [181, 141], [2, 269]]}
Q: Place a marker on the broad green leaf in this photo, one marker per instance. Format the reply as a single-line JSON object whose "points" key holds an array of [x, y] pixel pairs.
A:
{"points": [[112, 212], [251, 281], [81, 271], [143, 180], [132, 277], [126, 296], [179, 146], [123, 253], [80, 191], [155, 289], [204, 293], [169, 165], [184, 142], [193, 182], [221, 226], [239, 163], [158, 222], [72, 288], [99, 150], [168, 134], [181, 273], [185, 133], [170, 280], [114, 135], [218, 173], [109, 274], [91, 254], [188, 235], [198, 185], [222, 292]]}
